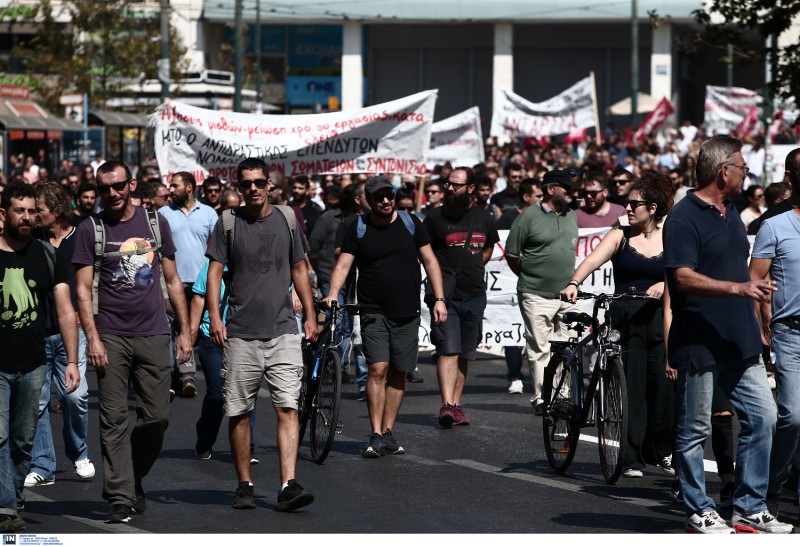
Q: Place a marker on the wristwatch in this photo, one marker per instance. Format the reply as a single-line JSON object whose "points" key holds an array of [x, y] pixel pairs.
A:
{"points": [[439, 299]]}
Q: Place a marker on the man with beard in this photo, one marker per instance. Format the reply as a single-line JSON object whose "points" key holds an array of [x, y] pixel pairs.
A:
{"points": [[540, 250], [385, 245], [482, 193], [462, 237], [597, 211], [507, 200], [85, 199], [191, 223], [301, 198], [30, 272]]}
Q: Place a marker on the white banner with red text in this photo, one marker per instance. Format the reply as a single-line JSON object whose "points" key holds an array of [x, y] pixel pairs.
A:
{"points": [[457, 140]]}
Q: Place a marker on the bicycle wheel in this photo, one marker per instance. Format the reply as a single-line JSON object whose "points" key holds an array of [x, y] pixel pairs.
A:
{"points": [[303, 402], [560, 419], [612, 426], [325, 411]]}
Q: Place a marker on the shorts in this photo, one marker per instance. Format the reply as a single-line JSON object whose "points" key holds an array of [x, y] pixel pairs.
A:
{"points": [[462, 332], [390, 340], [245, 362]]}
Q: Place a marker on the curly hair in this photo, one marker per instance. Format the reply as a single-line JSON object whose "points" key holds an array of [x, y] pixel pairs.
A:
{"points": [[55, 198], [655, 187]]}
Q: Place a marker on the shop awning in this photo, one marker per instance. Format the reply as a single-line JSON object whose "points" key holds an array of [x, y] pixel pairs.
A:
{"points": [[118, 119], [20, 114]]}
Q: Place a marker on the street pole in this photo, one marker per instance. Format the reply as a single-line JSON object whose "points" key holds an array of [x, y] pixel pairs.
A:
{"points": [[730, 66], [634, 67], [237, 71], [258, 53], [768, 113], [163, 62]]}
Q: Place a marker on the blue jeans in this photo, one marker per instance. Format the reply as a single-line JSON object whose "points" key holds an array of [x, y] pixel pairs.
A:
{"points": [[19, 404], [346, 332], [785, 343], [211, 414], [74, 404], [745, 384]]}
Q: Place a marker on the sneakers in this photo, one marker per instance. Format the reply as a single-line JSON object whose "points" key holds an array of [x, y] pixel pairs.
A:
{"points": [[253, 458], [188, 389], [446, 415], [763, 522], [141, 502], [376, 447], [675, 491], [633, 473], [84, 469], [202, 452], [726, 496], [708, 522], [245, 496], [390, 445], [120, 513], [35, 480], [11, 523], [171, 395], [293, 496], [414, 376], [515, 387], [460, 417], [666, 465], [362, 396]]}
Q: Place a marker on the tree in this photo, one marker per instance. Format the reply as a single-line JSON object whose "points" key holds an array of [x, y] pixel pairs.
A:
{"points": [[103, 51], [766, 18]]}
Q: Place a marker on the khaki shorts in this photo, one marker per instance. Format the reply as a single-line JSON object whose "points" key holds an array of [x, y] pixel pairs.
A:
{"points": [[245, 362]]}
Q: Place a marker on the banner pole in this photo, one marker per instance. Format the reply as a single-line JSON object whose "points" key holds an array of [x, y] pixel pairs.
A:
{"points": [[598, 134]]}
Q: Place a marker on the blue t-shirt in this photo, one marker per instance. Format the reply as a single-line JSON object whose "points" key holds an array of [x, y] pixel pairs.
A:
{"points": [[779, 239], [708, 330], [199, 287], [191, 234]]}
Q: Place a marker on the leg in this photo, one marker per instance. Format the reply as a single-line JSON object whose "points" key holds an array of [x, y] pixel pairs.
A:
{"points": [[8, 491], [288, 442], [513, 355], [376, 394], [44, 454], [362, 371], [787, 378], [395, 389], [722, 437], [447, 371], [211, 414], [76, 405], [239, 436], [461, 379]]}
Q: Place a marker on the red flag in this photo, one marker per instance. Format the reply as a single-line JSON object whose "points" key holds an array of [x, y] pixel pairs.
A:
{"points": [[576, 134], [747, 125], [775, 128], [655, 120]]}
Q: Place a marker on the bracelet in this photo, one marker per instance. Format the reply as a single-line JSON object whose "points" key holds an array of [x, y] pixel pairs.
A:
{"points": [[439, 299], [574, 283], [68, 363]]}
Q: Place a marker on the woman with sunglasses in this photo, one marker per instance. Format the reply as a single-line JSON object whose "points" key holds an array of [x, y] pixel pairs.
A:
{"points": [[636, 252]]}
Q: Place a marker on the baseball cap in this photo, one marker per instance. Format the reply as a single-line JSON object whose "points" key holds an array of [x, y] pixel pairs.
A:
{"points": [[558, 177], [377, 183]]}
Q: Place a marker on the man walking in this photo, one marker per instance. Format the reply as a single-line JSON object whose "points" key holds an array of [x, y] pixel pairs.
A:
{"points": [[540, 250], [30, 272], [127, 332], [462, 237], [265, 255], [713, 339], [385, 245]]}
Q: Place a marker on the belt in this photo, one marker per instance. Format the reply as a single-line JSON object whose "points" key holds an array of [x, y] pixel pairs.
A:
{"points": [[791, 322]]}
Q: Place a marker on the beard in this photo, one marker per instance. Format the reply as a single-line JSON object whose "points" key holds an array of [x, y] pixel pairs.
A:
{"points": [[456, 206], [23, 233], [560, 202]]}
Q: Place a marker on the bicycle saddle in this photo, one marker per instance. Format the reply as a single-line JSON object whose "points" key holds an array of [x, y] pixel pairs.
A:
{"points": [[574, 316]]}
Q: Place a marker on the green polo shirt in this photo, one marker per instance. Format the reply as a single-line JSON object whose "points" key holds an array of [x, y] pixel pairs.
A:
{"points": [[545, 241]]}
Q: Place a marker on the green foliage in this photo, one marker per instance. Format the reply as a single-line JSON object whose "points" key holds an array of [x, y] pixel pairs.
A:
{"points": [[102, 51]]}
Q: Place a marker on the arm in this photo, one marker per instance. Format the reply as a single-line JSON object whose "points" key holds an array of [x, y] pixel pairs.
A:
{"points": [[513, 264], [434, 273], [68, 325], [487, 253], [196, 315], [303, 287], [339, 275], [216, 329], [183, 346], [672, 373], [759, 269], [95, 350], [692, 282], [600, 255]]}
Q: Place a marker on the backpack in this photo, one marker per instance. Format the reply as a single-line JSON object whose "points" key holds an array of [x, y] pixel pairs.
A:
{"points": [[100, 246], [361, 228], [50, 256]]}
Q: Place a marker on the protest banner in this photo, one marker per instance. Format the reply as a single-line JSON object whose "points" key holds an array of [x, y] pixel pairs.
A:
{"points": [[572, 109], [655, 120], [457, 140], [726, 108], [392, 137]]}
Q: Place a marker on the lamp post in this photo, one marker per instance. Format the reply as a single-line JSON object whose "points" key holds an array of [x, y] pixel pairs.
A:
{"points": [[634, 67], [237, 74], [163, 62]]}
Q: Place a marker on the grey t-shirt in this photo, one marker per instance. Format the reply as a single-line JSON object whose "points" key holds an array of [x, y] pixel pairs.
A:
{"points": [[260, 305]]}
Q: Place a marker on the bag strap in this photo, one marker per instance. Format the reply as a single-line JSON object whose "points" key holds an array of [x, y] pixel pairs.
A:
{"points": [[99, 248], [155, 231]]}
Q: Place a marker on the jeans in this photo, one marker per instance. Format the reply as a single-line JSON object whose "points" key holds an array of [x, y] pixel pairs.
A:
{"points": [[785, 343], [19, 404], [513, 355], [745, 384], [350, 338], [210, 356], [75, 405]]}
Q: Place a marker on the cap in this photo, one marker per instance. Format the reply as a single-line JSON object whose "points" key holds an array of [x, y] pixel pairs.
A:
{"points": [[558, 177], [377, 183]]}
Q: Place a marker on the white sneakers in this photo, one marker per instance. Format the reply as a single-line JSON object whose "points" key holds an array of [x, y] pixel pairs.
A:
{"points": [[708, 522], [35, 480], [84, 469], [515, 387], [763, 522]]}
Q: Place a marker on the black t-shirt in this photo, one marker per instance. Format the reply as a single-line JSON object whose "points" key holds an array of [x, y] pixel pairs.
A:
{"points": [[63, 254], [26, 283], [505, 221], [341, 230], [448, 238], [389, 276], [505, 201], [311, 212]]}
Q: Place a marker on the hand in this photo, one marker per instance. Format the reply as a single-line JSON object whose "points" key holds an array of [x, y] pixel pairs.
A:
{"points": [[183, 348], [328, 300], [218, 333], [96, 354], [758, 289], [672, 373], [570, 293], [297, 305], [439, 312], [766, 335], [655, 291], [72, 377], [311, 330]]}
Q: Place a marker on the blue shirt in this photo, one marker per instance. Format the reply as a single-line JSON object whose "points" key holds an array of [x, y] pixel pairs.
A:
{"points": [[708, 330], [779, 240], [190, 234], [199, 287]]}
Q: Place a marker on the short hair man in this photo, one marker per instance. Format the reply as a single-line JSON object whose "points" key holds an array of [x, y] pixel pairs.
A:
{"points": [[597, 211], [457, 338], [713, 339], [482, 193], [621, 183], [434, 193], [302, 199], [386, 253], [212, 191], [540, 250], [506, 200], [85, 200], [128, 339], [260, 338], [162, 197], [30, 273]]}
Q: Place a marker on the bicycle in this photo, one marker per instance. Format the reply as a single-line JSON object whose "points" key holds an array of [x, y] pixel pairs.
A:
{"points": [[605, 404], [321, 388]]}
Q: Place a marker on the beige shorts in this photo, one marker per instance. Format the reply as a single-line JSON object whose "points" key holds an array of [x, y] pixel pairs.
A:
{"points": [[245, 362]]}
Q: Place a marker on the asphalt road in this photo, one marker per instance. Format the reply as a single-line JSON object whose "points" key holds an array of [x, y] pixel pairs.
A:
{"points": [[489, 477]]}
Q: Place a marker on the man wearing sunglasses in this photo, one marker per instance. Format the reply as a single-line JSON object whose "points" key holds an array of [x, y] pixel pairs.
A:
{"points": [[597, 211], [212, 191], [507, 200]]}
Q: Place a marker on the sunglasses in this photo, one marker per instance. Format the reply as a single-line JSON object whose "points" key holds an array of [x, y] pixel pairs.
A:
{"points": [[212, 190], [591, 193], [407, 209], [454, 185], [260, 183], [428, 192], [621, 181], [633, 203], [118, 186], [384, 196]]}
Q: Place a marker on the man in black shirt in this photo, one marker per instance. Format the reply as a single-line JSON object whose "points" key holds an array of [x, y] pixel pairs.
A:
{"points": [[302, 198], [507, 200]]}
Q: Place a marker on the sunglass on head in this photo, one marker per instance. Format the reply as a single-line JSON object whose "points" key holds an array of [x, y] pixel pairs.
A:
{"points": [[633, 203], [260, 183], [118, 186]]}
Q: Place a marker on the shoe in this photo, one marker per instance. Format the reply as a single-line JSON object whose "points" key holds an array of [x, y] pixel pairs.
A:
{"points": [[446, 415], [120, 513], [675, 491], [539, 409], [461, 418], [763, 522], [414, 376], [293, 496], [633, 473], [245, 496], [11, 523], [253, 458], [202, 452], [390, 445], [666, 465], [515, 387], [35, 480], [347, 379], [362, 396], [141, 502], [188, 389], [171, 395], [84, 469], [708, 522], [773, 504], [726, 496], [376, 447]]}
